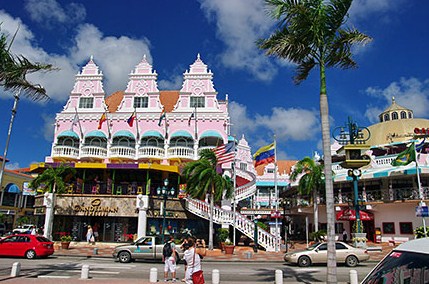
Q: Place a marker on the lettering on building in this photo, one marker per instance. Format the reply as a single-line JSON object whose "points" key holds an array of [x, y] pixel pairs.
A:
{"points": [[95, 209]]}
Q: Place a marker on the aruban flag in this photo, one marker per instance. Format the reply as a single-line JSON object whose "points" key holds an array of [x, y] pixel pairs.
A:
{"points": [[130, 120], [225, 153], [405, 157], [102, 120], [264, 155], [161, 117]]}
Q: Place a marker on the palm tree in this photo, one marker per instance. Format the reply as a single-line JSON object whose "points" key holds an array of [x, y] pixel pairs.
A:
{"points": [[54, 180], [311, 34], [203, 179], [311, 181]]}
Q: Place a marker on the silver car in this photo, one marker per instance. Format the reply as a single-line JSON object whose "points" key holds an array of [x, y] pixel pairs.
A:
{"points": [[318, 253], [148, 248]]}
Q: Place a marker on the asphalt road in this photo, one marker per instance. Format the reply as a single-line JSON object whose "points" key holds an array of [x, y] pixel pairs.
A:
{"points": [[102, 268]]}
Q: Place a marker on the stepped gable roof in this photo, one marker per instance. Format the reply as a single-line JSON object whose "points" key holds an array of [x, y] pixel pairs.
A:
{"points": [[114, 100], [169, 99], [284, 167]]}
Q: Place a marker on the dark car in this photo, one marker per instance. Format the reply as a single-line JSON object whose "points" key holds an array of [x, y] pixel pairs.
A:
{"points": [[24, 245]]}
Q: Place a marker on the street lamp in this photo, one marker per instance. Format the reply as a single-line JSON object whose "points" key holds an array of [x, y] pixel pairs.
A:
{"points": [[164, 192]]}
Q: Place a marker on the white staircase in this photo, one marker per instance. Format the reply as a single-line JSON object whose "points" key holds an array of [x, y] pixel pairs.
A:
{"points": [[226, 217]]}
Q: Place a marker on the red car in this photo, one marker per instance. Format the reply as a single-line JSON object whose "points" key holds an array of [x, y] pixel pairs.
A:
{"points": [[24, 245]]}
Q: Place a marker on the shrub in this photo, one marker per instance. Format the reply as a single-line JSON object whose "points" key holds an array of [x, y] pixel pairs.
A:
{"points": [[222, 234], [318, 236], [66, 238], [419, 232]]}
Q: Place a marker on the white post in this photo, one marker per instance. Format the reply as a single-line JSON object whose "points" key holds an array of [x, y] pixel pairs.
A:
{"points": [[142, 206], [306, 229], [16, 269], [215, 276], [279, 277], [49, 202], [85, 272], [353, 277], [153, 275]]}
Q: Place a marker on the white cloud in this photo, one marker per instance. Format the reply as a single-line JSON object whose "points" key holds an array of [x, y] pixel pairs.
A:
{"points": [[240, 120], [48, 126], [239, 23], [49, 12], [173, 83], [12, 166], [365, 8], [411, 93]]}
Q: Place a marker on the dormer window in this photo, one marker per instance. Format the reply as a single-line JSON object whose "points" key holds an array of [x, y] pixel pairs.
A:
{"points": [[141, 102], [403, 115], [86, 102], [198, 102], [270, 171], [394, 115], [386, 117]]}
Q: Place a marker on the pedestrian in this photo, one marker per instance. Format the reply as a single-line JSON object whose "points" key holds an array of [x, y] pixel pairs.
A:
{"points": [[193, 274], [345, 236], [33, 231], [90, 235], [169, 258]]}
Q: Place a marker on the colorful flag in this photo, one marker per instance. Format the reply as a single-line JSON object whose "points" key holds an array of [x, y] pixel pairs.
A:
{"points": [[130, 120], [225, 153], [161, 117], [75, 121], [102, 120], [190, 118], [405, 157], [264, 155]]}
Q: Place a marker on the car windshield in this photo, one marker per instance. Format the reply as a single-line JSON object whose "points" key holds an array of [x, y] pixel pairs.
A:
{"points": [[313, 246], [42, 239], [400, 267]]}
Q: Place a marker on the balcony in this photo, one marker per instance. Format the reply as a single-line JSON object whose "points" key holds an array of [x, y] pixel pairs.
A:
{"points": [[65, 152], [95, 152], [121, 152], [181, 153], [151, 152]]}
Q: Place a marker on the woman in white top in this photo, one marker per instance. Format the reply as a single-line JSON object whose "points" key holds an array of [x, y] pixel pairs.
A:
{"points": [[193, 261]]}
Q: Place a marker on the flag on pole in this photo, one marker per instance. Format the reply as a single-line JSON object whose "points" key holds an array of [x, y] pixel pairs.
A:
{"points": [[161, 117], [405, 157], [265, 155], [102, 120], [75, 121], [190, 118], [225, 153], [130, 120]]}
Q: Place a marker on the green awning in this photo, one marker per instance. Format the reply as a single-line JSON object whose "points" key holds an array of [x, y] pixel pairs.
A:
{"points": [[152, 133], [211, 133], [124, 133], [68, 133], [181, 133], [96, 133]]}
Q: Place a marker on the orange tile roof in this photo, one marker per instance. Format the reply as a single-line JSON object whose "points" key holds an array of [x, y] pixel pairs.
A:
{"points": [[114, 100], [283, 165]]}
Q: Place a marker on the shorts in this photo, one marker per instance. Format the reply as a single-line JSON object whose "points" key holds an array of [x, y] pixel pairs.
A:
{"points": [[170, 264]]}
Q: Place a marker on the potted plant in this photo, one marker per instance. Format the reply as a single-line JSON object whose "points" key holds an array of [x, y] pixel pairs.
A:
{"points": [[65, 241], [222, 235], [229, 247]]}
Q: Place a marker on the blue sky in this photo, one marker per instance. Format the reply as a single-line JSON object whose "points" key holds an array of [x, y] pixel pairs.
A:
{"points": [[263, 98]]}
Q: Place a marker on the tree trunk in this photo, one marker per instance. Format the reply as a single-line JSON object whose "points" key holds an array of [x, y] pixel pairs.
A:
{"points": [[331, 276], [211, 222], [316, 210]]}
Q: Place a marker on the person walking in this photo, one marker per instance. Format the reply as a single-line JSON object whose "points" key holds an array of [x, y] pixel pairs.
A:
{"points": [[345, 236], [193, 261], [33, 231], [90, 235], [169, 258]]}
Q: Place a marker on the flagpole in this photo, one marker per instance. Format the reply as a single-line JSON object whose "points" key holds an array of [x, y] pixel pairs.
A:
{"points": [[80, 126], [234, 204], [276, 193], [422, 203], [108, 122], [195, 118], [137, 125]]}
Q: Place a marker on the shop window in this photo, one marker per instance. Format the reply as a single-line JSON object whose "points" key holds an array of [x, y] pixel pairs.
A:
{"points": [[388, 228], [406, 228]]}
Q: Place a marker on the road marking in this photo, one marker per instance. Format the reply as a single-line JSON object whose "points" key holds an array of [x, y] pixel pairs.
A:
{"points": [[52, 276], [95, 272]]}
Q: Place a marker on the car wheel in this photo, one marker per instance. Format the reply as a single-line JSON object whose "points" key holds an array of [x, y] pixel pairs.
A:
{"points": [[352, 261], [30, 254], [124, 257], [304, 261]]}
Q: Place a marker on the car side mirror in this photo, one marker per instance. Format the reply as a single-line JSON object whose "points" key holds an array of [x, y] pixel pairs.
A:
{"points": [[316, 250]]}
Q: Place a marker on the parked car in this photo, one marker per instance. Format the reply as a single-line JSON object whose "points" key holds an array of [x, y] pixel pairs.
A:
{"points": [[407, 263], [318, 253], [23, 229], [24, 245], [148, 247]]}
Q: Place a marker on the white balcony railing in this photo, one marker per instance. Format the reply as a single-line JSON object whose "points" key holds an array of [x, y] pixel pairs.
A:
{"points": [[122, 152], [151, 152], [65, 152], [181, 152], [93, 152]]}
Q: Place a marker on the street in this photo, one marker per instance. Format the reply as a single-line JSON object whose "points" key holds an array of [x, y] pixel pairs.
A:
{"points": [[102, 268]]}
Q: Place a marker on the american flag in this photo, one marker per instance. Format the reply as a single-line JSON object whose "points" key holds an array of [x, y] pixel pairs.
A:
{"points": [[225, 153]]}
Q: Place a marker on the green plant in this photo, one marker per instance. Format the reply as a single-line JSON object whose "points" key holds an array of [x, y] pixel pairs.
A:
{"points": [[318, 235], [66, 238], [419, 232], [263, 226], [222, 234], [228, 242]]}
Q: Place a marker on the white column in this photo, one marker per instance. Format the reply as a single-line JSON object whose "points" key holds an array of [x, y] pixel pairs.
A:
{"points": [[142, 203], [49, 202]]}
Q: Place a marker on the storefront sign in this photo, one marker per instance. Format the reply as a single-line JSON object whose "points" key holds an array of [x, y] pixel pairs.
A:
{"points": [[95, 209], [422, 211]]}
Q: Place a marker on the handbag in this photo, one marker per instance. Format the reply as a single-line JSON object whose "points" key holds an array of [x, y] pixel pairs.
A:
{"points": [[197, 276]]}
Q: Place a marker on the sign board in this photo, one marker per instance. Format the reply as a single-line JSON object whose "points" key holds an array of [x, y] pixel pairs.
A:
{"points": [[26, 190], [422, 211]]}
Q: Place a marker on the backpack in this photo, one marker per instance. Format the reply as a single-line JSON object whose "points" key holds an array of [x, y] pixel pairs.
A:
{"points": [[166, 250]]}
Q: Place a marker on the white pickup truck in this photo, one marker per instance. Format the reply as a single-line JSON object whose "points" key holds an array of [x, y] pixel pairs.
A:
{"points": [[26, 228], [148, 247]]}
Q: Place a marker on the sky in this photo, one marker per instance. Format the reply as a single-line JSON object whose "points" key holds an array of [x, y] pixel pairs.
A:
{"points": [[264, 101]]}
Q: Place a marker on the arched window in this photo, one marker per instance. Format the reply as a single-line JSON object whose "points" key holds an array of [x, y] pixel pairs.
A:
{"points": [[394, 115], [410, 115], [386, 117], [403, 115]]}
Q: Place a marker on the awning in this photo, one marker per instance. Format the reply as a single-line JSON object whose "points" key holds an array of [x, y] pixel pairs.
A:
{"points": [[96, 133], [211, 133], [124, 133], [12, 188], [350, 215], [152, 133], [68, 133], [181, 133]]}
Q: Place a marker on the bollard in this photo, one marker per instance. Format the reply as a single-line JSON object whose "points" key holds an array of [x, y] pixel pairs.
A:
{"points": [[353, 277], [95, 250], [16, 269], [215, 276], [85, 272], [279, 276], [248, 254], [153, 275]]}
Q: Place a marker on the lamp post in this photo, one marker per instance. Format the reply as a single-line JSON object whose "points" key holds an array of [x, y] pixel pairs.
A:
{"points": [[164, 192]]}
